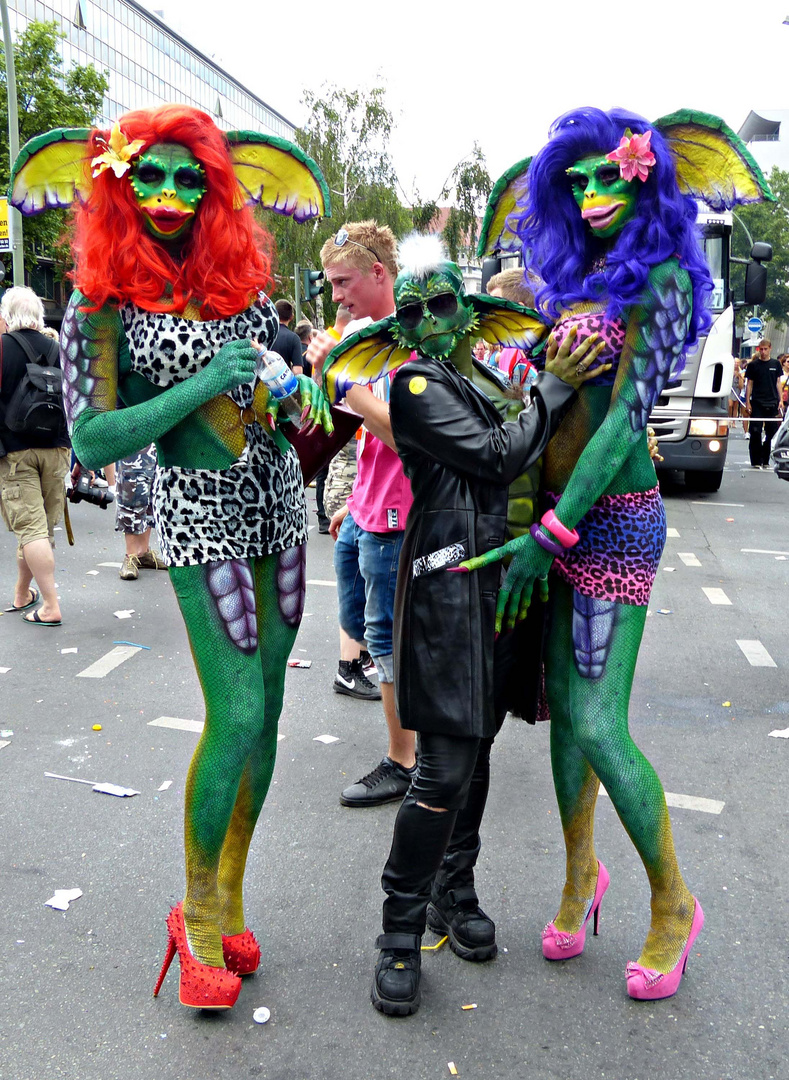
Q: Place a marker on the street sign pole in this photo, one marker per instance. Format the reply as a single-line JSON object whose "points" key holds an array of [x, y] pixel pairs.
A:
{"points": [[14, 217], [297, 290]]}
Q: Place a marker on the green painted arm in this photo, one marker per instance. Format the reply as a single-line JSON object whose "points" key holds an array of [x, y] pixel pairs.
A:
{"points": [[93, 346]]}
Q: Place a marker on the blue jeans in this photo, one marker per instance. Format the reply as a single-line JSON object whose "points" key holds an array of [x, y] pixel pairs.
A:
{"points": [[366, 567]]}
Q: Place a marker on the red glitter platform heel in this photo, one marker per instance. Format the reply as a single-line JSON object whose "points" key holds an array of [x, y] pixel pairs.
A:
{"points": [[241, 952], [201, 986]]}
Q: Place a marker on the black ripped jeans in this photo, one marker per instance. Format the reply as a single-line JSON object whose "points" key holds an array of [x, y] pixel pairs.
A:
{"points": [[453, 776]]}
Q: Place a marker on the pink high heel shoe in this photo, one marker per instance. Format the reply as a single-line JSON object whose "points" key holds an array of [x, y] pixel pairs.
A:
{"points": [[646, 984], [557, 945]]}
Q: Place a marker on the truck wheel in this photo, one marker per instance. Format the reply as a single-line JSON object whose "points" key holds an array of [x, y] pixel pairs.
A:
{"points": [[703, 481]]}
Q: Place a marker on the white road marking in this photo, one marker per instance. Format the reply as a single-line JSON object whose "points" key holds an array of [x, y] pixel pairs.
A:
{"points": [[318, 581], [688, 558], [716, 596], [687, 802], [673, 533], [762, 551], [105, 664], [756, 654], [179, 724], [703, 502]]}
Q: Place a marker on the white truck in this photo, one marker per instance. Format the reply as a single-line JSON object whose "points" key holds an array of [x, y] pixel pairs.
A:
{"points": [[691, 415]]}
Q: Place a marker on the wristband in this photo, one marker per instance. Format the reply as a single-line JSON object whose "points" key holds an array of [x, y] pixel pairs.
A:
{"points": [[567, 537], [545, 542]]}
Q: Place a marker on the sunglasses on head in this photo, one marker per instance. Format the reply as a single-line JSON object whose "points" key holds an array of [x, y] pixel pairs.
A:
{"points": [[443, 306], [342, 238]]}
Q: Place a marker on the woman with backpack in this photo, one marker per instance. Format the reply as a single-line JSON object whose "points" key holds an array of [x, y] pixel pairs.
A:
{"points": [[35, 451]]}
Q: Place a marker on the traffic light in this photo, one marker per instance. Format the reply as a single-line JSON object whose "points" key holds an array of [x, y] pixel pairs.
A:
{"points": [[311, 284]]}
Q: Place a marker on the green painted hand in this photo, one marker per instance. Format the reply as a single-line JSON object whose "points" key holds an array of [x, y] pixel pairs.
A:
{"points": [[316, 404], [233, 365], [530, 563]]}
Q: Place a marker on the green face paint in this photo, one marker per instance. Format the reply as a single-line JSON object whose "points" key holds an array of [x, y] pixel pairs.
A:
{"points": [[606, 200], [168, 183], [433, 314]]}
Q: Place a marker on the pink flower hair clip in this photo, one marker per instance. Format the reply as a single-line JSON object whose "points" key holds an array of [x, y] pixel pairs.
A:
{"points": [[633, 155]]}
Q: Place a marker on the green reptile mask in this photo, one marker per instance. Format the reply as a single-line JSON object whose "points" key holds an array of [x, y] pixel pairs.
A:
{"points": [[433, 313], [168, 183], [606, 200]]}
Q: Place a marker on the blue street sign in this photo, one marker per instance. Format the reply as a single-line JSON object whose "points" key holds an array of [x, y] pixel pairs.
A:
{"points": [[755, 326]]}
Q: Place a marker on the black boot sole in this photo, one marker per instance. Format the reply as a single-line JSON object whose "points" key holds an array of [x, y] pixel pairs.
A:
{"points": [[394, 1008], [438, 924]]}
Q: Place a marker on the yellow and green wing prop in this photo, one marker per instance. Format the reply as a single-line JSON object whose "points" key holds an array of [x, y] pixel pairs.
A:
{"points": [[51, 171], [363, 357], [713, 164], [506, 200], [501, 322], [277, 175]]}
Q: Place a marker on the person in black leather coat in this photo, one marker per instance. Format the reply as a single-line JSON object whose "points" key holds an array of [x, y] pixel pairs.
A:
{"points": [[450, 672]]}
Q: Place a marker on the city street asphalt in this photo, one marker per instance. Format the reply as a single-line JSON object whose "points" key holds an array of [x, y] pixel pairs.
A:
{"points": [[77, 985]]}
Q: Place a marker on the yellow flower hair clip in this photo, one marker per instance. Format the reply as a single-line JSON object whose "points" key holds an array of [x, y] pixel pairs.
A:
{"points": [[118, 153]]}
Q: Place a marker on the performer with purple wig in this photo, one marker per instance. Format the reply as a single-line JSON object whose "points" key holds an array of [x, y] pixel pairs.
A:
{"points": [[604, 216]]}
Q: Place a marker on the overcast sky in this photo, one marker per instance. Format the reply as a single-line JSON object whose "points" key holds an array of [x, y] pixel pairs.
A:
{"points": [[498, 73]]}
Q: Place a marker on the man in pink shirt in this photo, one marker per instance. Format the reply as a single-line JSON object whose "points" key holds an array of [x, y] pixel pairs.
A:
{"points": [[361, 263]]}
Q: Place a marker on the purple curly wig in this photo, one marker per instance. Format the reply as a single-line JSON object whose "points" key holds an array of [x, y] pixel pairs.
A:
{"points": [[560, 248]]}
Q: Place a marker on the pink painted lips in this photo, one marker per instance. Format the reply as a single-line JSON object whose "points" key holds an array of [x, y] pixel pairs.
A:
{"points": [[166, 219], [600, 217]]}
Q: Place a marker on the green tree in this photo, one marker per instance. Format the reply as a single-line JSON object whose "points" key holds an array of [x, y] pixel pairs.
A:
{"points": [[468, 187], [769, 222], [47, 97], [347, 134]]}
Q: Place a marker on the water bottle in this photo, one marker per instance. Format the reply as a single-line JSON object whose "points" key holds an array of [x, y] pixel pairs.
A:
{"points": [[281, 383]]}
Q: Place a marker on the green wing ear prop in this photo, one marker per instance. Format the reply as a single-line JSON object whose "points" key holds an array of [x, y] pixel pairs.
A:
{"points": [[52, 171], [508, 195], [278, 175], [363, 357], [503, 323], [713, 164]]}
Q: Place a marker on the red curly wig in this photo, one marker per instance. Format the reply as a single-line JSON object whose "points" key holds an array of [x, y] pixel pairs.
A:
{"points": [[226, 260]]}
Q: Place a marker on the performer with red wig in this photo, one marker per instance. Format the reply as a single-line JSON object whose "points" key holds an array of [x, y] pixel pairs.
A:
{"points": [[171, 273]]}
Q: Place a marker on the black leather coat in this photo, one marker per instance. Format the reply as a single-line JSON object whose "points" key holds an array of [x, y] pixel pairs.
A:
{"points": [[460, 458]]}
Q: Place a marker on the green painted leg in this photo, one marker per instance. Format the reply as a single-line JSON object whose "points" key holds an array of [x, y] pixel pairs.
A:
{"points": [[234, 693], [275, 644], [576, 783], [598, 719]]}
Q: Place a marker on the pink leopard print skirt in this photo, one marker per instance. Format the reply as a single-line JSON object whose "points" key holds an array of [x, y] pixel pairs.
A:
{"points": [[617, 555]]}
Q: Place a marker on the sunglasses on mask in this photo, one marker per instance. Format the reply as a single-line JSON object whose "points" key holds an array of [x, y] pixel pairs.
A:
{"points": [[443, 306]]}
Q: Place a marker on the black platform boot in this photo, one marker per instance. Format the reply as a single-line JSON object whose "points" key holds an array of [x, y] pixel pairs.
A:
{"points": [[454, 908], [419, 842]]}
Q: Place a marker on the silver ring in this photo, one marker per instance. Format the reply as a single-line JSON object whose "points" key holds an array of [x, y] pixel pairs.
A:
{"points": [[579, 369]]}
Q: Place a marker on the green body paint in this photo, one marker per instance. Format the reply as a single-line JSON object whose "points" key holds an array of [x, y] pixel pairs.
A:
{"points": [[168, 184], [605, 199]]}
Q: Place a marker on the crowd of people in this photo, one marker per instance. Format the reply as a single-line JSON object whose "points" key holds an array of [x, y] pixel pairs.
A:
{"points": [[465, 456], [759, 399]]}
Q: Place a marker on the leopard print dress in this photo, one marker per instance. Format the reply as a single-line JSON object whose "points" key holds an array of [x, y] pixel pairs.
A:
{"points": [[257, 505]]}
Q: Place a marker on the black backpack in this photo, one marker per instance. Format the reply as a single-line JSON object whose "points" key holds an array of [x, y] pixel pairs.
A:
{"points": [[36, 405]]}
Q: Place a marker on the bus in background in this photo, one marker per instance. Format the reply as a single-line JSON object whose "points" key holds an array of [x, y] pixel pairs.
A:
{"points": [[690, 418]]}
